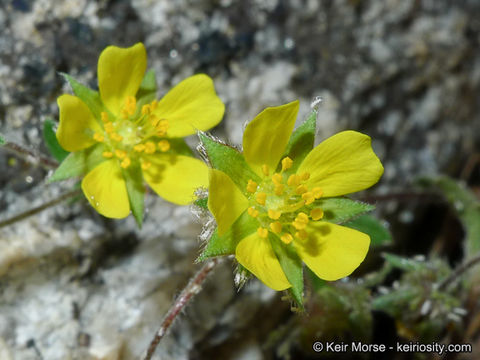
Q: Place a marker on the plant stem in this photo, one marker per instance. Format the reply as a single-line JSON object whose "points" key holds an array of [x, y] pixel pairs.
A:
{"points": [[458, 271], [30, 155], [38, 209], [193, 287]]}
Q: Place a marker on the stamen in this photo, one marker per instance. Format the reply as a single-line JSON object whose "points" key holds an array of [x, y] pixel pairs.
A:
{"points": [[116, 137], [274, 214], [300, 221], [139, 147], [146, 165], [317, 192], [120, 153], [251, 186], [293, 180], [276, 227], [302, 234], [279, 189], [308, 197], [98, 137], [316, 214], [277, 179], [252, 212], [150, 147], [305, 176], [301, 189], [261, 197], [163, 145], [130, 105], [286, 238], [262, 232], [125, 162], [104, 116], [286, 163], [109, 127], [146, 109], [265, 170], [107, 154], [153, 104]]}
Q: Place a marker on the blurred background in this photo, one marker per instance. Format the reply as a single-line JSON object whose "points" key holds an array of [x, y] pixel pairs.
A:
{"points": [[75, 285]]}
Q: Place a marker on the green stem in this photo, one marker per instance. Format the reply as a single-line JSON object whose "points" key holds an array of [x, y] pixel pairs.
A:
{"points": [[30, 155]]}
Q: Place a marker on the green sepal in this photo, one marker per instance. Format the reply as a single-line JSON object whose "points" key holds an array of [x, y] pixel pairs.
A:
{"points": [[147, 92], [202, 203], [2, 140], [229, 160], [379, 235], [51, 141], [317, 283], [78, 163], [291, 266], [90, 97], [403, 263], [302, 140], [180, 147], [226, 244], [135, 190], [341, 210]]}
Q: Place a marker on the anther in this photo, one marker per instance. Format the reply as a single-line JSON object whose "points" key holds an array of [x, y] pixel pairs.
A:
{"points": [[261, 197], [107, 154], [308, 197], [274, 214], [98, 137], [286, 163], [139, 147], [120, 153], [146, 109], [265, 170], [251, 186], [116, 137], [125, 162], [262, 232], [305, 176], [104, 116], [293, 180], [286, 238], [301, 189], [252, 212], [317, 192], [279, 189], [130, 105], [109, 127], [150, 147], [163, 145], [316, 214], [300, 221], [276, 227], [277, 178]]}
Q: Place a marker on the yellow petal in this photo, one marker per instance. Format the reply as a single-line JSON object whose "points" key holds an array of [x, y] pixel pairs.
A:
{"points": [[267, 135], [120, 72], [175, 177], [190, 106], [77, 124], [332, 251], [225, 200], [106, 190], [342, 164], [256, 254]]}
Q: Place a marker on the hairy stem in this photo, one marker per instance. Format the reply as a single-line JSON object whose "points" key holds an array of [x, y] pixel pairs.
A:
{"points": [[30, 155], [40, 208], [459, 271], [193, 287]]}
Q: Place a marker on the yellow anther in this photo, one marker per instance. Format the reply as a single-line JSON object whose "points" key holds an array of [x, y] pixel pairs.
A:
{"points": [[301, 189], [146, 109], [302, 234], [107, 154], [317, 192], [104, 116], [293, 180], [120, 153], [146, 165], [251, 186], [116, 137], [163, 145], [162, 127], [286, 238], [305, 176], [261, 197], [286, 163], [130, 105], [279, 189], [276, 227], [109, 127], [265, 170], [262, 232], [300, 221], [274, 214], [153, 104], [316, 214], [150, 147], [252, 212], [98, 137], [125, 162], [277, 178], [139, 147], [302, 217], [308, 197]]}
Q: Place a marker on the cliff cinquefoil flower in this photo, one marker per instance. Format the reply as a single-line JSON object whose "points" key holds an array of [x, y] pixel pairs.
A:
{"points": [[283, 199], [126, 135]]}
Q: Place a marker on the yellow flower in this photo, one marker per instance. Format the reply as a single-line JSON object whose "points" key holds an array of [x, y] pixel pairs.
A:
{"points": [[134, 136], [284, 203]]}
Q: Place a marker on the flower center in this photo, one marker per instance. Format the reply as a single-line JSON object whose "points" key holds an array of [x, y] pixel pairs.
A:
{"points": [[134, 134], [282, 201]]}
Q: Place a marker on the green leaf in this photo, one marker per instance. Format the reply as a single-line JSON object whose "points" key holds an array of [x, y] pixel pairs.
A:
{"points": [[367, 224], [90, 97], [203, 203], [228, 160], [403, 263], [341, 210], [227, 243], [2, 140], [291, 266], [392, 302], [51, 141], [78, 163], [302, 140], [136, 191]]}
